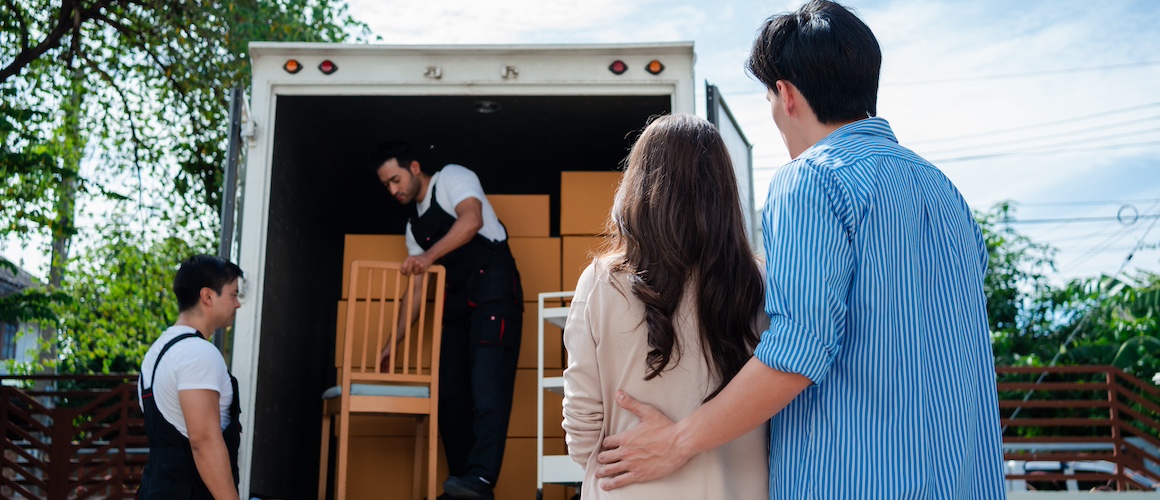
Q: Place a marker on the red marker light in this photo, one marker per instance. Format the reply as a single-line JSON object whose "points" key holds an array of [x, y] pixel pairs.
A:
{"points": [[618, 67], [655, 67], [292, 66], [327, 67]]}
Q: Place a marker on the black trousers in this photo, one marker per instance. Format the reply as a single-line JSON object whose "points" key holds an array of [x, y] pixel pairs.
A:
{"points": [[477, 372]]}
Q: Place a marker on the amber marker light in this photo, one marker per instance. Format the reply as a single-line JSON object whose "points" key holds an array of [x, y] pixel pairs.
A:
{"points": [[618, 67], [327, 67], [292, 66], [655, 67]]}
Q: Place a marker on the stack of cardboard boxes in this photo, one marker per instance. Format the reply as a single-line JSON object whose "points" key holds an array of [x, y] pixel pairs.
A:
{"points": [[382, 448]]}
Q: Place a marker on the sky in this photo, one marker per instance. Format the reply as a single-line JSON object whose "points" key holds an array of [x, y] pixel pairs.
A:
{"points": [[1053, 105]]}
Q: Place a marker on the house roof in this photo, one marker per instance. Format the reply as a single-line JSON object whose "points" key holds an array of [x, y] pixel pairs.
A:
{"points": [[11, 283]]}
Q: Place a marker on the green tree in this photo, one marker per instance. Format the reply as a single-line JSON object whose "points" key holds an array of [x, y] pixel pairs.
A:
{"points": [[1088, 321], [112, 101], [123, 299]]}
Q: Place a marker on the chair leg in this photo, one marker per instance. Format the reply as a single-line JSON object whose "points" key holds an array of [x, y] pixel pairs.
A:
{"points": [[343, 450], [325, 460], [432, 452], [416, 488]]}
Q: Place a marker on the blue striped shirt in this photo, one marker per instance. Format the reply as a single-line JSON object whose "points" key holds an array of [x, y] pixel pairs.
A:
{"points": [[875, 267]]}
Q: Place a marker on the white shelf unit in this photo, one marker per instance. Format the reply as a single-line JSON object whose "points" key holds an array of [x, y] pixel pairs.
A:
{"points": [[552, 469]]}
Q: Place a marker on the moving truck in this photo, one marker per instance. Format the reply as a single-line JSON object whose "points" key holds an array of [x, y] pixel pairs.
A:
{"points": [[517, 115]]}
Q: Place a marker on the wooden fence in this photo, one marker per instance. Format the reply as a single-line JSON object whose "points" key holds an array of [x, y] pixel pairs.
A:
{"points": [[1095, 416], [71, 437], [76, 437]]}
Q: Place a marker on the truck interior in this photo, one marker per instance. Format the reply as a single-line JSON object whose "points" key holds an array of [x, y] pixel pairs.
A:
{"points": [[323, 187]]}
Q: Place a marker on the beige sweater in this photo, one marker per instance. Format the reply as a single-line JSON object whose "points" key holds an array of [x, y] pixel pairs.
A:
{"points": [[607, 344]]}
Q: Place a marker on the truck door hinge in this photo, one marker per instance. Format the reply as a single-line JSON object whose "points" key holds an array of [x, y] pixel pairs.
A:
{"points": [[508, 72], [433, 72]]}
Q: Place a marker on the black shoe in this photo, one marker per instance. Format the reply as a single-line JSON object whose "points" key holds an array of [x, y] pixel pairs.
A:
{"points": [[468, 487]]}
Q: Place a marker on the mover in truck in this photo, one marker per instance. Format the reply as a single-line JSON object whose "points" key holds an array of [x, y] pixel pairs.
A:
{"points": [[519, 116]]}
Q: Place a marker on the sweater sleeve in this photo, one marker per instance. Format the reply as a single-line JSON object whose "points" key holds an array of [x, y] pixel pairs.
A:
{"points": [[583, 403]]}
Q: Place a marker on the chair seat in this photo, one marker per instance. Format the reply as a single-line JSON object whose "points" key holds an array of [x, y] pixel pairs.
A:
{"points": [[398, 391]]}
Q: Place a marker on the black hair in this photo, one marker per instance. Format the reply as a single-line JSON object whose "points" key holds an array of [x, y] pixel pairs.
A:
{"points": [[825, 51], [202, 271], [400, 151]]}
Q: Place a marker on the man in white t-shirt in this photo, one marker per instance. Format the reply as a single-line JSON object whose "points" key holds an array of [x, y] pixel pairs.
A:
{"points": [[454, 225], [188, 396]]}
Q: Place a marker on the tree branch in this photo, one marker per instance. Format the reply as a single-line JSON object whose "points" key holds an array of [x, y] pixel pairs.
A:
{"points": [[51, 41], [69, 18], [21, 21]]}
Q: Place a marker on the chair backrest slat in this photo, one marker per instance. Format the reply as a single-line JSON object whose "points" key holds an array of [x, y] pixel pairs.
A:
{"points": [[366, 320], [370, 289]]}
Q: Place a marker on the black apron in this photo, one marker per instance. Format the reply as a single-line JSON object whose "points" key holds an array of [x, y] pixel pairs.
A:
{"points": [[481, 274], [171, 472]]}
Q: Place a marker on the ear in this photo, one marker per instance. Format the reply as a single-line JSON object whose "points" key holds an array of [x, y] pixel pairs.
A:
{"points": [[789, 96], [414, 167], [207, 296]]}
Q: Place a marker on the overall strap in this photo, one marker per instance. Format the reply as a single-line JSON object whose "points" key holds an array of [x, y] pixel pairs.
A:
{"points": [[166, 348]]}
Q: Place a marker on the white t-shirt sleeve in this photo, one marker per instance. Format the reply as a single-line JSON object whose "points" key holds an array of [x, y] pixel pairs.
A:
{"points": [[413, 247], [200, 366], [457, 183]]}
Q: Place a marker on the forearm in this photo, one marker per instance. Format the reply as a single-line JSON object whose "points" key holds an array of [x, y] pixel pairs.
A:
{"points": [[756, 394], [463, 230], [213, 465], [410, 312]]}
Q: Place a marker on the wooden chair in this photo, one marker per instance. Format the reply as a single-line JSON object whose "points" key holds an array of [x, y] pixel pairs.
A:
{"points": [[410, 383]]}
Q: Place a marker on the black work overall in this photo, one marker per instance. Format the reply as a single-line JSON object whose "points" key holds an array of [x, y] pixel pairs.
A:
{"points": [[482, 322], [171, 471]]}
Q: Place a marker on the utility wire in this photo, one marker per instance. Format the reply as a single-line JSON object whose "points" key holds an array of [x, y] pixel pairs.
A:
{"points": [[1072, 220], [1039, 125], [1025, 74], [1083, 321], [1053, 135], [1039, 151], [1076, 203], [1113, 239], [999, 76], [1069, 142]]}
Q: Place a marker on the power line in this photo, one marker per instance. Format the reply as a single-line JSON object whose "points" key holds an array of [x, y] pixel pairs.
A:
{"points": [[1071, 220], [1039, 125], [1053, 135], [1083, 258], [1077, 203], [999, 76], [1083, 321], [1024, 74], [1037, 150]]}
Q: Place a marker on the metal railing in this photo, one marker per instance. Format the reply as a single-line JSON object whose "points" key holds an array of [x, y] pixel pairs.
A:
{"points": [[71, 437], [1097, 423]]}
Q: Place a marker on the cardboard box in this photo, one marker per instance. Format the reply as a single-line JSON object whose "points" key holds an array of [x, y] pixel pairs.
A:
{"points": [[370, 356], [539, 262], [585, 200], [383, 467], [517, 478], [523, 419], [576, 254], [553, 341], [384, 247], [523, 215]]}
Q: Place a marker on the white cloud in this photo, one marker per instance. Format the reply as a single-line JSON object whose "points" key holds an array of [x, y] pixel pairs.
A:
{"points": [[921, 40]]}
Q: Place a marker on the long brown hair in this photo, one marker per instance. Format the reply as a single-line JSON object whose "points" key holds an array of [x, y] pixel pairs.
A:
{"points": [[677, 220]]}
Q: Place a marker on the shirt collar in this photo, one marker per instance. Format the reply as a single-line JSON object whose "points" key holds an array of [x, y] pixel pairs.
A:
{"points": [[873, 126]]}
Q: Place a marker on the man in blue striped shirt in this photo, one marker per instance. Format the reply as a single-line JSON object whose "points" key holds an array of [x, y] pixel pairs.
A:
{"points": [[877, 368]]}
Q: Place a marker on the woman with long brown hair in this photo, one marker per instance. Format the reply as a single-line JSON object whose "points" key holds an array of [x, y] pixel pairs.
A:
{"points": [[669, 312]]}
